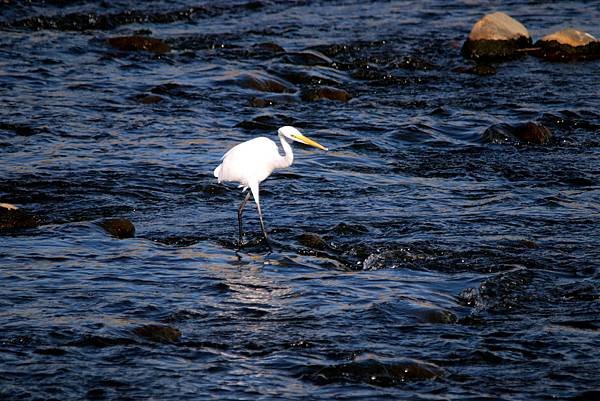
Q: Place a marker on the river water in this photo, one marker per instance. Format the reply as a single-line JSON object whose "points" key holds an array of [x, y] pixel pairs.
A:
{"points": [[414, 260]]}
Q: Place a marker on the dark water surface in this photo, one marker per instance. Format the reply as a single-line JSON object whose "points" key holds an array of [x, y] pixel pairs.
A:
{"points": [[414, 260]]}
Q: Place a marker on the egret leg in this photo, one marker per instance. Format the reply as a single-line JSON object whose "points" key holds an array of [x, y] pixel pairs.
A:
{"points": [[262, 227], [255, 194], [240, 212]]}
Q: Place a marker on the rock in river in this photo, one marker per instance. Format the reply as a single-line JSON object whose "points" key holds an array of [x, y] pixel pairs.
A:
{"points": [[12, 218], [119, 227], [496, 36], [315, 93], [263, 82], [139, 43], [567, 45], [158, 333], [373, 372], [528, 133]]}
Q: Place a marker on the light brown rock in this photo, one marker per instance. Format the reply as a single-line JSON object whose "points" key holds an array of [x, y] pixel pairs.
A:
{"points": [[570, 37], [498, 26]]}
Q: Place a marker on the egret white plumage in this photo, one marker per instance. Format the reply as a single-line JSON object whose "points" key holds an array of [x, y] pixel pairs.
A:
{"points": [[250, 163]]}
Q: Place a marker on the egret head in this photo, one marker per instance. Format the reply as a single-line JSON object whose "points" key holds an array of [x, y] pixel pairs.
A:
{"points": [[295, 135]]}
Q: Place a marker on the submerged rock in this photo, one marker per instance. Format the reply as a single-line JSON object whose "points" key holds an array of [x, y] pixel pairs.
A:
{"points": [[313, 241], [145, 98], [118, 227], [373, 372], [158, 333], [496, 36], [13, 218], [528, 133], [324, 93], [567, 45], [263, 82], [139, 43], [435, 316]]}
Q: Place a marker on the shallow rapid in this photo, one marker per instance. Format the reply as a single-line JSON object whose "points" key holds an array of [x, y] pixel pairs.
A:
{"points": [[417, 259]]}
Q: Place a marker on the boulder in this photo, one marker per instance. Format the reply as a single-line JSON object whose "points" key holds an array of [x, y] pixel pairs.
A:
{"points": [[528, 133], [567, 45], [496, 36], [139, 43], [118, 227]]}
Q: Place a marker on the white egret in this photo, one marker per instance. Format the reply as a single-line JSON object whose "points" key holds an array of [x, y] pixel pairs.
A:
{"points": [[250, 163]]}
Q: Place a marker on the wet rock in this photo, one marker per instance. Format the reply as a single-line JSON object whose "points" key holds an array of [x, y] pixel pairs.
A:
{"points": [[479, 69], [313, 241], [567, 45], [145, 98], [496, 36], [373, 372], [307, 76], [528, 133], [118, 227], [13, 218], [435, 316], [263, 82], [139, 43], [315, 93], [158, 333], [307, 57], [570, 37]]}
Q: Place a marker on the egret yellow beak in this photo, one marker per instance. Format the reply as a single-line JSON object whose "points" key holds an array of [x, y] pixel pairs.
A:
{"points": [[307, 141]]}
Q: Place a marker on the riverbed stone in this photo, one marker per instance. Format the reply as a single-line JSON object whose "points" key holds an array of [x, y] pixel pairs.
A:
{"points": [[12, 217], [263, 82], [496, 36], [567, 45], [313, 241], [373, 372], [118, 227], [158, 333], [139, 43], [145, 98], [527, 133], [315, 93]]}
